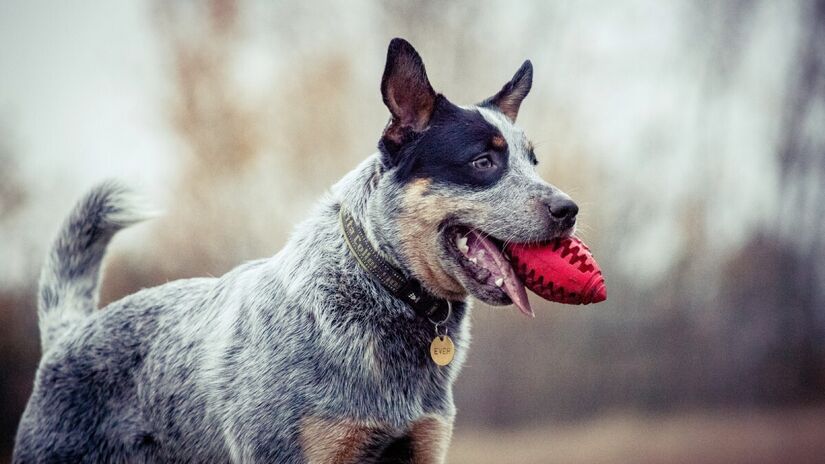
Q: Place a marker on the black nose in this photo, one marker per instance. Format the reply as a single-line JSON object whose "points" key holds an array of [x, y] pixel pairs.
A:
{"points": [[564, 209]]}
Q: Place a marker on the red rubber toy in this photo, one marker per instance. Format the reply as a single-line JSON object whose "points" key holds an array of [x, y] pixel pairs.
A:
{"points": [[562, 270]]}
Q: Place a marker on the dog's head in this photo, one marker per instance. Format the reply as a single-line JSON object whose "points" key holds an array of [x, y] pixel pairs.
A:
{"points": [[459, 182]]}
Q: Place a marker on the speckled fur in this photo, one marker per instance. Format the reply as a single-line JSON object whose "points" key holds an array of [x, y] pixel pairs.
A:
{"points": [[301, 357], [224, 369]]}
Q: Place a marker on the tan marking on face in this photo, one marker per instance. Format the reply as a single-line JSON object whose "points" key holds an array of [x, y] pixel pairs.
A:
{"points": [[498, 142], [430, 438], [333, 440], [423, 211]]}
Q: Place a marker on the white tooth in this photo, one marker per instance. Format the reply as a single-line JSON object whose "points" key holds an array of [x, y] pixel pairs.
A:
{"points": [[461, 243], [480, 253], [499, 282], [474, 260]]}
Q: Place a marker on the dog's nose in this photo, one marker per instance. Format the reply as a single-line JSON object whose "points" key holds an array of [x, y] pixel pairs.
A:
{"points": [[564, 209]]}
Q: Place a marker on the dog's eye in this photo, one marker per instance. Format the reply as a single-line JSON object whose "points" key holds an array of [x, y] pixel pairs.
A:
{"points": [[483, 163]]}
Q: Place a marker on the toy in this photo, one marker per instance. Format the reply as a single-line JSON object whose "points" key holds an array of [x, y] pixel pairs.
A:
{"points": [[562, 270]]}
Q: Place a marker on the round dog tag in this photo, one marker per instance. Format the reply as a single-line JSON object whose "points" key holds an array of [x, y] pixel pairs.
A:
{"points": [[442, 350]]}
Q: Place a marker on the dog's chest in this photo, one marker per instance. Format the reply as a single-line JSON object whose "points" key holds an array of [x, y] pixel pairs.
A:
{"points": [[377, 368]]}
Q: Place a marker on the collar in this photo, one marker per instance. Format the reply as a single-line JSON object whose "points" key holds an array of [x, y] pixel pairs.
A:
{"points": [[425, 304]]}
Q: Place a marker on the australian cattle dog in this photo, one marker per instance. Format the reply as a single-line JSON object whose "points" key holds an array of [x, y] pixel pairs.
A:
{"points": [[325, 352]]}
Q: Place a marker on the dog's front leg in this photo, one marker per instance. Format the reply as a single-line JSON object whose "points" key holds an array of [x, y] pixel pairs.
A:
{"points": [[430, 438], [337, 441], [328, 441]]}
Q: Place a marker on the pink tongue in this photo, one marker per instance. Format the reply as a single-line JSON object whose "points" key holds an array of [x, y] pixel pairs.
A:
{"points": [[489, 257]]}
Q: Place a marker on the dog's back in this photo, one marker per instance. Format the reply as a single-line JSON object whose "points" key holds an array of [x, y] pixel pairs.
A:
{"points": [[90, 397]]}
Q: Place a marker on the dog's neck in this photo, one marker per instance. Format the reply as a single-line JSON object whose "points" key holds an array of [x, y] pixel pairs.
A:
{"points": [[319, 242], [356, 191], [406, 289]]}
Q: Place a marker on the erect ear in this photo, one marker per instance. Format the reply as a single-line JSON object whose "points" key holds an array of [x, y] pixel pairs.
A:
{"points": [[508, 99], [406, 90]]}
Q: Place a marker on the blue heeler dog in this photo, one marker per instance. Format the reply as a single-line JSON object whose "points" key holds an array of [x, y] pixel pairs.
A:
{"points": [[321, 353]]}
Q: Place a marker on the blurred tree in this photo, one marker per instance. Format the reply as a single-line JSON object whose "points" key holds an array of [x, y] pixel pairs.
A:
{"points": [[12, 193], [802, 214], [18, 350]]}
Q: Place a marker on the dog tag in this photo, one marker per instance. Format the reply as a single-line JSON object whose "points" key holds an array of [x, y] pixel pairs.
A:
{"points": [[442, 350]]}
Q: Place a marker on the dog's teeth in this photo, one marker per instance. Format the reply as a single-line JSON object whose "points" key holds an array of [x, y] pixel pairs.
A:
{"points": [[461, 243], [499, 282], [474, 260]]}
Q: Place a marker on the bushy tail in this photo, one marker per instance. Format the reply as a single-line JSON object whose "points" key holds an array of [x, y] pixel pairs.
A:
{"points": [[71, 275]]}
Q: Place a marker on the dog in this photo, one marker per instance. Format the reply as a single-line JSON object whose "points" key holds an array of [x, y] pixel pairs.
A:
{"points": [[323, 352]]}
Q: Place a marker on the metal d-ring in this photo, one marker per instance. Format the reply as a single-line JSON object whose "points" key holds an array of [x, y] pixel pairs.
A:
{"points": [[446, 318]]}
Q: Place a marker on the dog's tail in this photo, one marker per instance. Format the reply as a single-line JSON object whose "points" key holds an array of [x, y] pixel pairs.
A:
{"points": [[71, 275]]}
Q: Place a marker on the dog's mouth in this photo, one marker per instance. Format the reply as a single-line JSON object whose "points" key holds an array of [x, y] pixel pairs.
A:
{"points": [[486, 267]]}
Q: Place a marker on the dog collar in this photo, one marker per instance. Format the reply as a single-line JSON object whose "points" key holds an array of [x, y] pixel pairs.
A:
{"points": [[409, 290]]}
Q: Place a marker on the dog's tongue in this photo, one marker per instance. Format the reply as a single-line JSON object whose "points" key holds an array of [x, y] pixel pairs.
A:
{"points": [[488, 255]]}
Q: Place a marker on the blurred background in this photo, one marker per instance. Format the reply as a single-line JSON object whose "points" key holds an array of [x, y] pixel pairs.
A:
{"points": [[691, 133]]}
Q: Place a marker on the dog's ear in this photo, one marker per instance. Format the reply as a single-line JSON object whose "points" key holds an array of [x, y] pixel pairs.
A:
{"points": [[508, 99], [406, 91]]}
